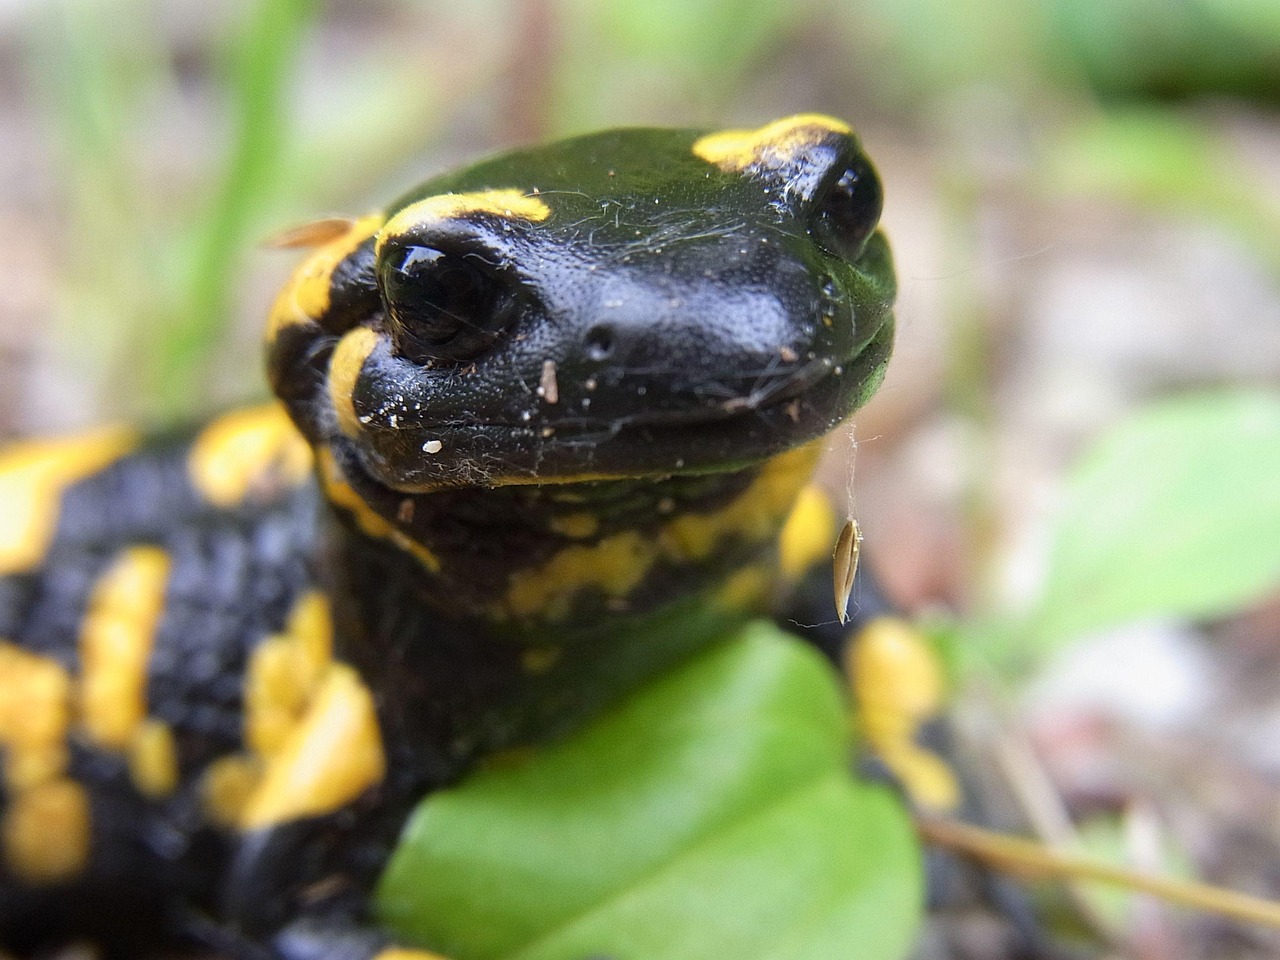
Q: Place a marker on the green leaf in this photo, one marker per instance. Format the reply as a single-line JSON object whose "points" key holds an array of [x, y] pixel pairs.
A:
{"points": [[1176, 513], [710, 815]]}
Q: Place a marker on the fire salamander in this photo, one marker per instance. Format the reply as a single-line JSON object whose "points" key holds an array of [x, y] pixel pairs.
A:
{"points": [[544, 427]]}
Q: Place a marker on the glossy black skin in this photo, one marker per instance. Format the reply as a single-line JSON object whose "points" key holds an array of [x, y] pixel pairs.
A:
{"points": [[691, 299], [682, 305]]}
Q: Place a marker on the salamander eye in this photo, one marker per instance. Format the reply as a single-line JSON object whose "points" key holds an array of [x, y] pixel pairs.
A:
{"points": [[442, 305], [846, 214]]}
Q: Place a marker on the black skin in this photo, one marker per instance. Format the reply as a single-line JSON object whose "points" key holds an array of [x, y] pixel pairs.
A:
{"points": [[701, 321]]}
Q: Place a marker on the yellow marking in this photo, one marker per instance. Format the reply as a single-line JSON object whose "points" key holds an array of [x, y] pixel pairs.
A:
{"points": [[344, 370], [404, 953], [115, 644], [577, 526], [538, 660], [898, 686], [806, 535], [755, 514], [328, 760], [35, 712], [305, 298], [33, 476], [509, 204], [153, 759], [310, 623], [284, 672], [28, 767], [774, 144], [255, 451], [746, 589], [338, 491], [617, 564], [46, 832], [226, 787]]}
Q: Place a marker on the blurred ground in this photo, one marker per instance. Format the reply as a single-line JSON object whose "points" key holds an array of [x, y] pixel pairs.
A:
{"points": [[1046, 290]]}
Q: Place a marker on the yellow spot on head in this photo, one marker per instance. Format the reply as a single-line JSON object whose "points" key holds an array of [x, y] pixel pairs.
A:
{"points": [[305, 298], [328, 760], [153, 759], [344, 370], [46, 832], [116, 638], [33, 476], [253, 451], [806, 536], [774, 144], [508, 204]]}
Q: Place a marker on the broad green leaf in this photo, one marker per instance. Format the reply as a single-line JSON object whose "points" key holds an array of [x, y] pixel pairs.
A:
{"points": [[710, 815], [1176, 513]]}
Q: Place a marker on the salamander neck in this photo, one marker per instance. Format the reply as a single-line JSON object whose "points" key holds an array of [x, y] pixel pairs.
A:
{"points": [[482, 614]]}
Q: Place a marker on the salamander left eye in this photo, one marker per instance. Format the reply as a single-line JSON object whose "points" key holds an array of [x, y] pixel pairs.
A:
{"points": [[442, 305], [847, 213]]}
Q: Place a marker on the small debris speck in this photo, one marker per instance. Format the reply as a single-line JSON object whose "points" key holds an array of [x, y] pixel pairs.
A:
{"points": [[432, 446], [549, 386]]}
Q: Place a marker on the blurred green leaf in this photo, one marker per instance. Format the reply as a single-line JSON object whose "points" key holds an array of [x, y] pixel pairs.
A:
{"points": [[1167, 160], [261, 66], [626, 63], [711, 815], [1176, 513], [1153, 47]]}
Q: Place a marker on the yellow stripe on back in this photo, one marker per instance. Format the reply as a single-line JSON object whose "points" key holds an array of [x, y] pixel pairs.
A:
{"points": [[46, 832], [807, 535], [33, 477], [898, 686], [256, 450], [116, 638], [328, 759], [35, 712]]}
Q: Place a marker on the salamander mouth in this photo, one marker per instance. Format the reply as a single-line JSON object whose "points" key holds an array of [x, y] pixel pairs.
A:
{"points": [[742, 429]]}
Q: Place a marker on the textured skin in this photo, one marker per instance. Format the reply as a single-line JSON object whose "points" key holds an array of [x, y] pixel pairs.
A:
{"points": [[515, 522]]}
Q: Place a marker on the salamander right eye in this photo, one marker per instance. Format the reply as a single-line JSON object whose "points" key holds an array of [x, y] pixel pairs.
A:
{"points": [[442, 306], [848, 210]]}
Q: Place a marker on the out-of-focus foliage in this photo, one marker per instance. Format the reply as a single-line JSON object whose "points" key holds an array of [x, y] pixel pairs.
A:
{"points": [[1176, 513]]}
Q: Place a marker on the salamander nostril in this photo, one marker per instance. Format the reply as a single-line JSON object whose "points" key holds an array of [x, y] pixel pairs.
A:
{"points": [[599, 342]]}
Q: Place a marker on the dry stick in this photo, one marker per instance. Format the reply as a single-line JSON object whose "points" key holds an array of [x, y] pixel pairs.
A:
{"points": [[1013, 852]]}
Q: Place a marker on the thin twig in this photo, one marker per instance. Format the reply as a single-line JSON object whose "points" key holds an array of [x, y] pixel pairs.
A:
{"points": [[1029, 857]]}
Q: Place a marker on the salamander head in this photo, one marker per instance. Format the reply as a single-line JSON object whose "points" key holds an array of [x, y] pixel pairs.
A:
{"points": [[618, 311]]}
